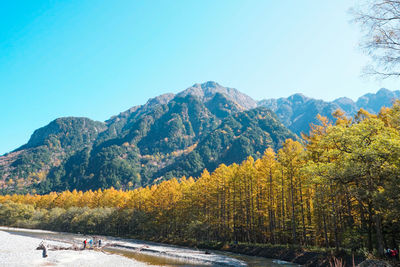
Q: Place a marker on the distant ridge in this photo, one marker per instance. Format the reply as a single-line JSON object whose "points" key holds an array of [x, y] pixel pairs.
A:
{"points": [[297, 111]]}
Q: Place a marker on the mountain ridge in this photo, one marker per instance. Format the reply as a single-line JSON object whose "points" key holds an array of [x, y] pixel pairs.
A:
{"points": [[297, 111]]}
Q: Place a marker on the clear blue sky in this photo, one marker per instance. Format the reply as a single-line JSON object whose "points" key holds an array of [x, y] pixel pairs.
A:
{"points": [[98, 58]]}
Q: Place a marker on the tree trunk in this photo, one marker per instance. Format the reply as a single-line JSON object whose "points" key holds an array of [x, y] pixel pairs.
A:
{"points": [[379, 236], [302, 215], [325, 230], [334, 215], [283, 206], [293, 214], [271, 216], [370, 227]]}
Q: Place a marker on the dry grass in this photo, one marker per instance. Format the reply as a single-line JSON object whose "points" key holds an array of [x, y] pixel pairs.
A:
{"points": [[336, 262]]}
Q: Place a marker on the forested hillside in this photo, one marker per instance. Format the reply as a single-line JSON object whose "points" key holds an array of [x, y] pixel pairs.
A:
{"points": [[340, 189], [47, 148]]}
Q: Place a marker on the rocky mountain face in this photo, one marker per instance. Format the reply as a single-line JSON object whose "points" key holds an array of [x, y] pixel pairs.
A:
{"points": [[207, 91], [169, 136], [297, 111]]}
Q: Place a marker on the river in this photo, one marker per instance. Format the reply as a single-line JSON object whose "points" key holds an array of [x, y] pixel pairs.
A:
{"points": [[157, 254]]}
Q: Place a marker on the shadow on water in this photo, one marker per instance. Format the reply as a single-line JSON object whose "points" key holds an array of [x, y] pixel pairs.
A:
{"points": [[150, 258]]}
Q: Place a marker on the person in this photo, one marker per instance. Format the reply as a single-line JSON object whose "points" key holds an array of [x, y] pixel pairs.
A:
{"points": [[90, 242], [44, 252], [387, 252], [84, 244], [99, 242], [393, 253], [396, 253], [42, 246]]}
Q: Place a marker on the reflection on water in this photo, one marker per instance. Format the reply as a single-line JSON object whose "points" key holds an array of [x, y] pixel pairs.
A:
{"points": [[150, 258], [154, 259], [253, 261]]}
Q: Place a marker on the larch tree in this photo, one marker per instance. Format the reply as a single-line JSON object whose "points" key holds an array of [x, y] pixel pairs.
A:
{"points": [[291, 156]]}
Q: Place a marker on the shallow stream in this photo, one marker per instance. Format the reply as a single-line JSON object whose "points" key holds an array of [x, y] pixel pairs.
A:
{"points": [[155, 258]]}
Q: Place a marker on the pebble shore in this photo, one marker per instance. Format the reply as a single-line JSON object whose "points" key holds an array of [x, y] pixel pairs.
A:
{"points": [[16, 250]]}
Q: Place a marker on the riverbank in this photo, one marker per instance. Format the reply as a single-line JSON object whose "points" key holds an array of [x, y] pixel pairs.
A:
{"points": [[16, 250], [295, 255]]}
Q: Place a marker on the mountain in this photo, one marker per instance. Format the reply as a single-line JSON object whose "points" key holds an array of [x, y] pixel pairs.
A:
{"points": [[170, 135], [297, 111]]}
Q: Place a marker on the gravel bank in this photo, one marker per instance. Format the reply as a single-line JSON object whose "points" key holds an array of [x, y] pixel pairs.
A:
{"points": [[18, 251]]}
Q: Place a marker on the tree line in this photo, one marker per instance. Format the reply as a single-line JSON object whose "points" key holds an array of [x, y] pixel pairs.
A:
{"points": [[339, 188]]}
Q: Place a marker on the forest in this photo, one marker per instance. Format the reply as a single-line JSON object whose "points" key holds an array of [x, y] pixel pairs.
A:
{"points": [[337, 188]]}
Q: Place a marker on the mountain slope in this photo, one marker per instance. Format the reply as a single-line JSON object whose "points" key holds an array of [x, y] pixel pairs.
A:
{"points": [[240, 135]]}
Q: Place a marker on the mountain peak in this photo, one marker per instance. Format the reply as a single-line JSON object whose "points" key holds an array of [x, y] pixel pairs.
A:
{"points": [[206, 91], [344, 100], [209, 84], [384, 91], [298, 97], [66, 131]]}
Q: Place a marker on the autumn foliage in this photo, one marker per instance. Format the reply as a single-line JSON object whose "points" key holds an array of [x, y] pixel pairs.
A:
{"points": [[339, 189]]}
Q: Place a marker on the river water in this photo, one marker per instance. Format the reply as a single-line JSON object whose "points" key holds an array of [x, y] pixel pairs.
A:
{"points": [[154, 258]]}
